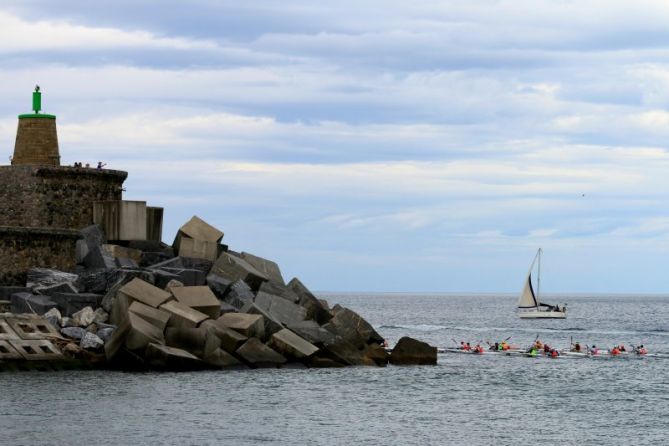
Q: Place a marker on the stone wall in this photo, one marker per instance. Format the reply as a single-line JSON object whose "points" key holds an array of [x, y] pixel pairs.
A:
{"points": [[25, 248], [55, 197]]}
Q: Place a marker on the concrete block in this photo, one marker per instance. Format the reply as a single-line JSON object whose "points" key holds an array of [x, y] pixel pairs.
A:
{"points": [[32, 328], [279, 290], [183, 315], [65, 287], [221, 359], [145, 293], [312, 332], [258, 354], [162, 277], [6, 331], [38, 350], [269, 268], [45, 277], [30, 303], [171, 358], [315, 308], [230, 340], [120, 219], [191, 339], [189, 247], [135, 334], [6, 306], [150, 257], [272, 325], [154, 316], [188, 276], [352, 327], [282, 310], [125, 262], [198, 229], [7, 291], [227, 308], [70, 303], [154, 223], [93, 235], [249, 325], [291, 345], [7, 351], [232, 268], [200, 298], [80, 251], [99, 257]]}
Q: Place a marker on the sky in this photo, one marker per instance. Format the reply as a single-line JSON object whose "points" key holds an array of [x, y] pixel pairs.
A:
{"points": [[425, 146]]}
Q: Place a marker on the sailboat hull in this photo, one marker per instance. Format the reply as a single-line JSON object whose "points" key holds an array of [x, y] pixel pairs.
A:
{"points": [[535, 314]]}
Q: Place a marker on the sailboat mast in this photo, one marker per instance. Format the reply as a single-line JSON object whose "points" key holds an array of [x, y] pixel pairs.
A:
{"points": [[539, 278]]}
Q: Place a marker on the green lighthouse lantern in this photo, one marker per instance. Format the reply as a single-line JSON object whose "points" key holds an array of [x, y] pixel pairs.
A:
{"points": [[37, 100]]}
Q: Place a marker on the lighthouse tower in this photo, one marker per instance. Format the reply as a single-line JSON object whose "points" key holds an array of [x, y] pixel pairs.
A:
{"points": [[36, 137]]}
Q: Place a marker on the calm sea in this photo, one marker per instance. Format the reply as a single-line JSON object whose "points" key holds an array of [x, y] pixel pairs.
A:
{"points": [[464, 400]]}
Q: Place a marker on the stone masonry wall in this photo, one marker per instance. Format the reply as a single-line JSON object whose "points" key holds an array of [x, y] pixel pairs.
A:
{"points": [[25, 248], [55, 197], [36, 142]]}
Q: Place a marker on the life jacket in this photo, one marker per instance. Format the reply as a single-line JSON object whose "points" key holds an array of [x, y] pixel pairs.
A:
{"points": [[615, 351], [505, 346], [594, 351], [642, 351], [554, 354]]}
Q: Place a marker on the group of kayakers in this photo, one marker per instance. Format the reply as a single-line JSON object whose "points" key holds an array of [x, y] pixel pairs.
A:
{"points": [[539, 347]]}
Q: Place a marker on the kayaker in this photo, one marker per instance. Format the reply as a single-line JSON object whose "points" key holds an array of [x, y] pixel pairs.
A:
{"points": [[641, 350], [533, 351], [577, 347], [547, 349], [538, 345], [621, 347], [554, 353], [494, 348], [594, 350], [505, 345], [478, 348], [615, 351]]}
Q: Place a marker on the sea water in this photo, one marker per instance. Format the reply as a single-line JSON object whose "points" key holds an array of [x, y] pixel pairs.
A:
{"points": [[464, 400]]}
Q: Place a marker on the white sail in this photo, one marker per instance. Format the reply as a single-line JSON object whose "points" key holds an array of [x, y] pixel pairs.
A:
{"points": [[527, 298]]}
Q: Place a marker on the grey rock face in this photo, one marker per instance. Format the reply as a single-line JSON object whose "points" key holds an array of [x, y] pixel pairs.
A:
{"points": [[30, 303], [46, 277], [73, 332], [315, 308], [258, 354], [91, 342], [410, 351]]}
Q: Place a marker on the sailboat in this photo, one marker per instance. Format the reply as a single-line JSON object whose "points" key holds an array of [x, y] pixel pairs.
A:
{"points": [[529, 305]]}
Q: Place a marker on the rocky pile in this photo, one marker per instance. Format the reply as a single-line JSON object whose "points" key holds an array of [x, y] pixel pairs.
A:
{"points": [[197, 304]]}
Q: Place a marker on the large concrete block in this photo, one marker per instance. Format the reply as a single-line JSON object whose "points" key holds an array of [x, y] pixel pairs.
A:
{"points": [[291, 345], [7, 351], [237, 294], [312, 332], [123, 252], [183, 315], [154, 316], [249, 325], [171, 358], [200, 298], [65, 287], [135, 334], [120, 219], [279, 290], [93, 235], [7, 291], [272, 325], [99, 257], [258, 354], [269, 268], [230, 340], [352, 327], [30, 303], [233, 268], [188, 276], [191, 339], [221, 359], [188, 247], [144, 292], [70, 303], [46, 277], [315, 308], [6, 332], [198, 229], [282, 310]]}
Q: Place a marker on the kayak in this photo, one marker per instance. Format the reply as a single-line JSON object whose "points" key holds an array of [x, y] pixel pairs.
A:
{"points": [[566, 354]]}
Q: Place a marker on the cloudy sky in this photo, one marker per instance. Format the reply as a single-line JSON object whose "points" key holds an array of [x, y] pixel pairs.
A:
{"points": [[376, 145]]}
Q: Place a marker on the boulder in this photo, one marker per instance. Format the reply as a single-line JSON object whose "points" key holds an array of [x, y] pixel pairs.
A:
{"points": [[410, 351], [272, 325], [249, 325], [93, 236], [291, 345], [73, 332], [70, 303], [269, 268], [230, 340], [154, 316], [347, 353], [282, 310], [171, 358], [173, 284], [378, 354], [84, 317], [49, 290], [183, 315], [91, 342], [105, 333], [227, 308], [200, 298], [30, 303], [80, 251], [54, 317], [315, 308], [100, 316], [232, 268], [258, 354], [99, 257], [119, 278]]}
